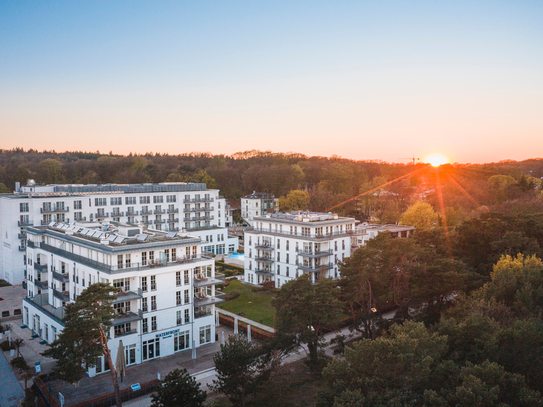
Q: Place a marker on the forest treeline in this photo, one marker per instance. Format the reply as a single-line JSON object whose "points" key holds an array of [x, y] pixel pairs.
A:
{"points": [[327, 181]]}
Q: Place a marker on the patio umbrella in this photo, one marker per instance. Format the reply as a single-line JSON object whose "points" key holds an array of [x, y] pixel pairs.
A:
{"points": [[120, 362]]}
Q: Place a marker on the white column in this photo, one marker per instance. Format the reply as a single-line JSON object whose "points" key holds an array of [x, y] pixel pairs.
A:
{"points": [[249, 333], [222, 338], [235, 326], [216, 318], [193, 349]]}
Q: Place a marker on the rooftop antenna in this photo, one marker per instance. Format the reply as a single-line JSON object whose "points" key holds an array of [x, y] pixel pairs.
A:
{"points": [[413, 159]]}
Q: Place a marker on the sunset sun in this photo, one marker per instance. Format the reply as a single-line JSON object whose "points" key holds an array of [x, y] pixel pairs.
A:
{"points": [[436, 159]]}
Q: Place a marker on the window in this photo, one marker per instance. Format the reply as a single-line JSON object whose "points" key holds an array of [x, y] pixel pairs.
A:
{"points": [[158, 199], [116, 201], [178, 298], [145, 326], [151, 349], [174, 254], [187, 297], [144, 284], [100, 201], [153, 324], [278, 269], [186, 277], [145, 199], [170, 198], [130, 200], [278, 243], [144, 258], [287, 273], [144, 306], [177, 278], [278, 256], [179, 318], [153, 303], [130, 354], [287, 258], [343, 242], [167, 253], [127, 261], [46, 330], [287, 246], [151, 257], [123, 284], [23, 207], [335, 245], [99, 365], [181, 340], [121, 307], [119, 261], [153, 283], [122, 329], [205, 334], [187, 316]]}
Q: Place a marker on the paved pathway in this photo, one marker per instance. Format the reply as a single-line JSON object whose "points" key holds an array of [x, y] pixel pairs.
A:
{"points": [[10, 389], [246, 320]]}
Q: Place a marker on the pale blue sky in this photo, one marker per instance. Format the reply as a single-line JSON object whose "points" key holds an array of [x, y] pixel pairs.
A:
{"points": [[364, 80]]}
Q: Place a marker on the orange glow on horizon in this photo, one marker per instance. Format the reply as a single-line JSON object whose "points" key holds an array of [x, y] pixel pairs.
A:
{"points": [[436, 159]]}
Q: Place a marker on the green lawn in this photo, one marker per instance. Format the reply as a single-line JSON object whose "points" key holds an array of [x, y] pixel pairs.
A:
{"points": [[254, 305]]}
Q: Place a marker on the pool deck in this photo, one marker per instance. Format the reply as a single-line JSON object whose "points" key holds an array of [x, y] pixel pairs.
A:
{"points": [[235, 261]]}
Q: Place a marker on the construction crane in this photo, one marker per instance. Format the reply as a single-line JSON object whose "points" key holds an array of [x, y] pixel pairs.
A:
{"points": [[413, 159]]}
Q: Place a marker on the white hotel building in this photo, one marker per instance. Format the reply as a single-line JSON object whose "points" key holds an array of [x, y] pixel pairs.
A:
{"points": [[167, 283], [167, 206], [280, 246]]}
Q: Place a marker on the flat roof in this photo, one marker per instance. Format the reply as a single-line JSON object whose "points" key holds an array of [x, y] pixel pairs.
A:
{"points": [[305, 217]]}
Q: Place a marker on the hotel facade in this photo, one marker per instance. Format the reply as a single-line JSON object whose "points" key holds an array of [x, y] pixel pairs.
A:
{"points": [[179, 206], [166, 301]]}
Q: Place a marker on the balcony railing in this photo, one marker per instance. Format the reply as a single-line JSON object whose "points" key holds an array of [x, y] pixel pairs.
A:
{"points": [[265, 246], [117, 214], [146, 212], [25, 223], [132, 295], [264, 272], [147, 222], [205, 300], [42, 268], [201, 227], [172, 220], [101, 215], [265, 259], [173, 210], [132, 213], [127, 317], [159, 221], [65, 278], [55, 209], [44, 285], [317, 268], [317, 237], [124, 333], [22, 248], [61, 295], [202, 314], [204, 281], [315, 254], [159, 211], [198, 200], [115, 269], [30, 243], [22, 236], [197, 218]]}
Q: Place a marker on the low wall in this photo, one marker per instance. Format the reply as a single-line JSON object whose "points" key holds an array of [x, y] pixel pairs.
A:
{"points": [[242, 327]]}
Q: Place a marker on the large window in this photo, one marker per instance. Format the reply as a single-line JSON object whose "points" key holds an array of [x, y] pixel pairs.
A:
{"points": [[179, 318], [153, 283], [177, 278], [153, 303], [205, 334], [153, 324], [151, 349], [130, 354], [144, 284], [181, 340]]}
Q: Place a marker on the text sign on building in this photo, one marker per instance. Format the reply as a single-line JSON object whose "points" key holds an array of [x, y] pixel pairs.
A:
{"points": [[164, 334]]}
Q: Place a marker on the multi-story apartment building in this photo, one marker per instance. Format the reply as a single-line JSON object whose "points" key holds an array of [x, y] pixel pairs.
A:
{"points": [[258, 204], [167, 298], [280, 246], [168, 206]]}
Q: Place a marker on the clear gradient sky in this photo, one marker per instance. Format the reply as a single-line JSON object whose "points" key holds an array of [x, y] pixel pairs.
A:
{"points": [[361, 79]]}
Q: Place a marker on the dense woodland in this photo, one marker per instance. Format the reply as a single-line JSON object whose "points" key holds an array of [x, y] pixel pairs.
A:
{"points": [[505, 186]]}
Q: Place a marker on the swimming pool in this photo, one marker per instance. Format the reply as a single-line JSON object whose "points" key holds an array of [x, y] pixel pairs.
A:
{"points": [[237, 256]]}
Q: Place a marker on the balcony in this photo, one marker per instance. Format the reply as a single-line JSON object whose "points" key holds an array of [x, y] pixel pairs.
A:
{"points": [[101, 215], [147, 222], [42, 268], [200, 228], [44, 285], [41, 301], [146, 212], [24, 223], [317, 268], [117, 214], [204, 300], [265, 259], [30, 243], [197, 218], [55, 210], [22, 236], [124, 296], [204, 281], [198, 200], [315, 254], [61, 295], [265, 246], [171, 220], [159, 211], [203, 313], [264, 272], [159, 221], [173, 210], [65, 278], [318, 237], [127, 317], [132, 213], [22, 248], [125, 332]]}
